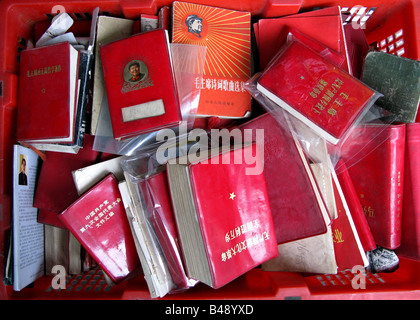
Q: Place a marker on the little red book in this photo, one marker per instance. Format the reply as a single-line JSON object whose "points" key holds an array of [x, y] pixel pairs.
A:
{"points": [[163, 220], [348, 248], [222, 214], [324, 25], [315, 91], [296, 204], [139, 83], [99, 222], [356, 210], [410, 231], [47, 94], [378, 178]]}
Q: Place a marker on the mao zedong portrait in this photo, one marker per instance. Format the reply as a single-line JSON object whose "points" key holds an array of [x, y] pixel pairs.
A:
{"points": [[23, 179], [135, 72], [194, 24]]}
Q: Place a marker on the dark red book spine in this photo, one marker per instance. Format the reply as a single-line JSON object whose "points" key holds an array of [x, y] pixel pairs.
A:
{"points": [[410, 233]]}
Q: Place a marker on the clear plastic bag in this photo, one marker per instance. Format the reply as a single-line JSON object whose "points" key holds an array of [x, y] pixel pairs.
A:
{"points": [[145, 173], [323, 93]]}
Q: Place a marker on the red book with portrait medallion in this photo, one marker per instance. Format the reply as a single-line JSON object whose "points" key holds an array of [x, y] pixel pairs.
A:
{"points": [[139, 84]]}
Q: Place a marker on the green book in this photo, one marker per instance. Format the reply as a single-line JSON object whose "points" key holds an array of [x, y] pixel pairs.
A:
{"points": [[398, 79]]}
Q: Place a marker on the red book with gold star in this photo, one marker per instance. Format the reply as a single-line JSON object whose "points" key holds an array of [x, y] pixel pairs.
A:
{"points": [[223, 214], [227, 36], [98, 221]]}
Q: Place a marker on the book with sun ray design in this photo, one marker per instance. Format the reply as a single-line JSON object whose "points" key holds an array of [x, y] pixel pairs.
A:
{"points": [[227, 36]]}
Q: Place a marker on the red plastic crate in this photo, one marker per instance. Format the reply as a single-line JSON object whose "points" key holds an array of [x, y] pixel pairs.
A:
{"points": [[391, 25]]}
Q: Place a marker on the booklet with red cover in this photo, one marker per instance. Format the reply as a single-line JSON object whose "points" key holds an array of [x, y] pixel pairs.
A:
{"points": [[378, 178], [163, 220], [323, 96], [223, 215], [324, 25], [99, 222], [47, 94], [139, 84], [296, 203]]}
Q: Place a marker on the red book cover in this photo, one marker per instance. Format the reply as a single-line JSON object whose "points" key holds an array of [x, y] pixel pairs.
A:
{"points": [[55, 189], [298, 212], [231, 214], [164, 224], [356, 210], [271, 33], [378, 179], [410, 231], [140, 86], [320, 94], [347, 245], [99, 222], [227, 36], [47, 86]]}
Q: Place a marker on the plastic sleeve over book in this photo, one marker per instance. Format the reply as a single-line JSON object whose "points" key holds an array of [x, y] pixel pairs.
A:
{"points": [[315, 91]]}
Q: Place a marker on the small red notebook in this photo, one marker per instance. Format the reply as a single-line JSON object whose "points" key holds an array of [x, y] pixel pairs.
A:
{"points": [[230, 216], [139, 83], [378, 178], [99, 222], [47, 94], [296, 204], [315, 91]]}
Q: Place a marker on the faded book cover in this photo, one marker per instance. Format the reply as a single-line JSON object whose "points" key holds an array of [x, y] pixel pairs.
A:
{"points": [[227, 35]]}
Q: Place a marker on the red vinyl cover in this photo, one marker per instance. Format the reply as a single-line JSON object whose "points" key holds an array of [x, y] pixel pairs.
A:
{"points": [[316, 91], [378, 178], [234, 214], [410, 231], [98, 220], [296, 211], [154, 84], [271, 34], [348, 252], [356, 210], [44, 93], [55, 189], [164, 223]]}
